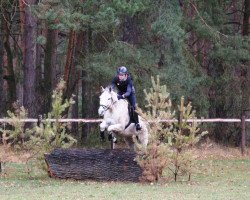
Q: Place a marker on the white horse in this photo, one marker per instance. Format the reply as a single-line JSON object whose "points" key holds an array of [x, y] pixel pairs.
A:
{"points": [[116, 118]]}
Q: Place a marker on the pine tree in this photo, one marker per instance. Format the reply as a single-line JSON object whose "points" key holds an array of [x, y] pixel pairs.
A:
{"points": [[170, 141]]}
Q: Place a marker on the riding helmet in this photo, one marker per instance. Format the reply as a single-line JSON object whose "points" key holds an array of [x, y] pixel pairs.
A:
{"points": [[122, 70]]}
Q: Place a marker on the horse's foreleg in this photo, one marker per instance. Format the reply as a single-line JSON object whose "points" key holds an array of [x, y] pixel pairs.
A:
{"points": [[103, 126], [112, 139], [115, 128]]}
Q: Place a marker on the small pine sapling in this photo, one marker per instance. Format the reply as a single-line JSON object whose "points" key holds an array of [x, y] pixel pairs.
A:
{"points": [[153, 159], [14, 133], [184, 135], [53, 134], [49, 135]]}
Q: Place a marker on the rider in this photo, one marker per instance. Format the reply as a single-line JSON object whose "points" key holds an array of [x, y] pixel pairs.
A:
{"points": [[126, 90]]}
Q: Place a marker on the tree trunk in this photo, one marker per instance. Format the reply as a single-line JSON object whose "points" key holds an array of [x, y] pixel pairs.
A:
{"points": [[246, 17], [130, 30], [9, 75], [69, 64], [245, 71], [50, 59], [86, 106], [2, 106], [30, 35], [79, 56], [86, 109], [22, 22], [219, 101], [41, 90], [96, 164]]}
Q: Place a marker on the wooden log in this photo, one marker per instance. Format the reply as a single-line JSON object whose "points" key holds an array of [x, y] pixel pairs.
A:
{"points": [[96, 164]]}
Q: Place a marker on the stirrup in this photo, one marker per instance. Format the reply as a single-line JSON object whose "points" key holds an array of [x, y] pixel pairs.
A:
{"points": [[138, 127]]}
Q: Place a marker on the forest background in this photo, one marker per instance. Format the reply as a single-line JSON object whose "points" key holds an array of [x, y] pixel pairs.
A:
{"points": [[199, 48]]}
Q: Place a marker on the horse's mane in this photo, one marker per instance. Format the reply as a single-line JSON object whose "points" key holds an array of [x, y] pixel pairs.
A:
{"points": [[114, 89]]}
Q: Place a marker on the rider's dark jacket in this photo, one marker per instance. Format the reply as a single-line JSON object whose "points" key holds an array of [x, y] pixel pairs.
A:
{"points": [[125, 88]]}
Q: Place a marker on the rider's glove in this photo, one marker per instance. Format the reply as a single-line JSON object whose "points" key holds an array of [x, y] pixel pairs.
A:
{"points": [[120, 97]]}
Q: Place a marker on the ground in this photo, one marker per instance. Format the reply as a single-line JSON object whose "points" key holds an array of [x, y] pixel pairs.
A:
{"points": [[220, 173]]}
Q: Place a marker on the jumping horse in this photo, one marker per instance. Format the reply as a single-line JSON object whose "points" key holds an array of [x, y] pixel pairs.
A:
{"points": [[116, 119]]}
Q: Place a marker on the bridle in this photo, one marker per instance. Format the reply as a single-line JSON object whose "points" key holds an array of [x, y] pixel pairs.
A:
{"points": [[105, 107]]}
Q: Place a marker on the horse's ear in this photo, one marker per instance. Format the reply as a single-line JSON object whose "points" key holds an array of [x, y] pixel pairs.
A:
{"points": [[102, 89]]}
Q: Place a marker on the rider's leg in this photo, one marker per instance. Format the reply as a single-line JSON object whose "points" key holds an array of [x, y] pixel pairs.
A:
{"points": [[132, 101], [137, 125]]}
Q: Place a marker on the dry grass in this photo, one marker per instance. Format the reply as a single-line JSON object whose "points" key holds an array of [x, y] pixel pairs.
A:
{"points": [[211, 150], [9, 156], [208, 150]]}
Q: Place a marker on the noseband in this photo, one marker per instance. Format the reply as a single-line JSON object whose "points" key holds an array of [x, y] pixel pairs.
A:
{"points": [[106, 107]]}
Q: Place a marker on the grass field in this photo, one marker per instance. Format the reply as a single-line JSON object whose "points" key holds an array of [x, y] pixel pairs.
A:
{"points": [[216, 177]]}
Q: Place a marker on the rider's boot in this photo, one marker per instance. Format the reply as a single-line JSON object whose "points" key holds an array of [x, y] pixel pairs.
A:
{"points": [[137, 125]]}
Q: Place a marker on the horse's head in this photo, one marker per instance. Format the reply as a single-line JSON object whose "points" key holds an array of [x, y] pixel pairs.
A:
{"points": [[107, 99]]}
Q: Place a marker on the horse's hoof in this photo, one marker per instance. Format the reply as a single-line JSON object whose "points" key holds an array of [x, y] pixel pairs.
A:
{"points": [[112, 138], [102, 136]]}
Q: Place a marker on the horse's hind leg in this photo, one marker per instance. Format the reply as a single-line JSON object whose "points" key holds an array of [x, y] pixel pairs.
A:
{"points": [[143, 137]]}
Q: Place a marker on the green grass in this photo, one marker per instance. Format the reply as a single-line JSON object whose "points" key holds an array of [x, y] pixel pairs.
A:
{"points": [[214, 179]]}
